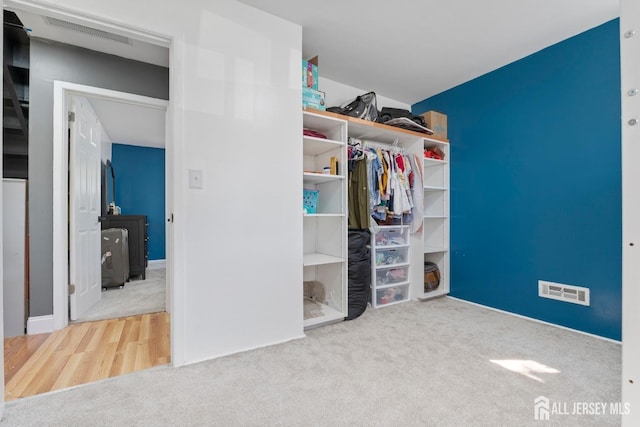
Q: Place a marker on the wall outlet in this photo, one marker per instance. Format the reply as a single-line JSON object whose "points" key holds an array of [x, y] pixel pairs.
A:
{"points": [[562, 292]]}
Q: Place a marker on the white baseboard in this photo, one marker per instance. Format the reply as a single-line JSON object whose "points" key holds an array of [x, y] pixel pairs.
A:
{"points": [[40, 325], [537, 320], [155, 264]]}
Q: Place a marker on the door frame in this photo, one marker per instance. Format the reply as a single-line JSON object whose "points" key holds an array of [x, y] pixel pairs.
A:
{"points": [[629, 64], [62, 91]]}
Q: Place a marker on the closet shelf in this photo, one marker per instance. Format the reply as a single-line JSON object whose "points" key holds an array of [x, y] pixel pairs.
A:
{"points": [[328, 315], [434, 249], [320, 259], [434, 188], [314, 146], [324, 215], [435, 217], [364, 129], [433, 162], [318, 178], [433, 294]]}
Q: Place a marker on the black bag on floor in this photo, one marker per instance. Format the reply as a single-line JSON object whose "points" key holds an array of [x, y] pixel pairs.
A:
{"points": [[359, 272]]}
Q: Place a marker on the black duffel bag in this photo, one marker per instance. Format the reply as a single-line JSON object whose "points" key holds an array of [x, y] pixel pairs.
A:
{"points": [[363, 107], [387, 114]]}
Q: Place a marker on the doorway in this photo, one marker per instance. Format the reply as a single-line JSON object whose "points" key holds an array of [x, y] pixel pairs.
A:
{"points": [[132, 182]]}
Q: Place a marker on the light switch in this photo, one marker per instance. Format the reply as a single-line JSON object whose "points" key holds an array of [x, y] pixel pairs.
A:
{"points": [[195, 178]]}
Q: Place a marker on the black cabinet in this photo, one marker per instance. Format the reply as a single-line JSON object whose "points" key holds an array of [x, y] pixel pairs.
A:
{"points": [[138, 238]]}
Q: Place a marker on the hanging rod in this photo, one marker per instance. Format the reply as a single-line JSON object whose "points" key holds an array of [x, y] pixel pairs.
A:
{"points": [[383, 146]]}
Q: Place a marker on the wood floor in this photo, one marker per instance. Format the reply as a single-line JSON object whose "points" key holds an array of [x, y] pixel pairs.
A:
{"points": [[83, 353]]}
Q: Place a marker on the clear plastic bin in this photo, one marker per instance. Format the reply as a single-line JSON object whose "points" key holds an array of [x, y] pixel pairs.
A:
{"points": [[391, 256], [392, 236], [392, 294], [392, 276]]}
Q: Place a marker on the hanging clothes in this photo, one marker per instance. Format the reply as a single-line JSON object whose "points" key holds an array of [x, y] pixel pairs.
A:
{"points": [[358, 194], [390, 177]]}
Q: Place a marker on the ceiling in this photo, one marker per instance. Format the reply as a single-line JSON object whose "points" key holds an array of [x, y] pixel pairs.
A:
{"points": [[411, 50], [101, 40], [406, 51], [124, 123], [131, 124]]}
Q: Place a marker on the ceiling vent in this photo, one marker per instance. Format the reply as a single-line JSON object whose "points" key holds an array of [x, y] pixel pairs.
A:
{"points": [[55, 22]]}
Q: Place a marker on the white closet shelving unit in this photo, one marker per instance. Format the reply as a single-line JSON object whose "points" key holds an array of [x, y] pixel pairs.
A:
{"points": [[436, 216], [325, 231], [432, 244]]}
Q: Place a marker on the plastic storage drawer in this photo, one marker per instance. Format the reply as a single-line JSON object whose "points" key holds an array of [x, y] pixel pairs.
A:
{"points": [[392, 294], [392, 276], [392, 236], [391, 256]]}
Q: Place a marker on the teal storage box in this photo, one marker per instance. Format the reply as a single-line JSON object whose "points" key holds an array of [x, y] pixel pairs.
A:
{"points": [[310, 201], [309, 75], [313, 99]]}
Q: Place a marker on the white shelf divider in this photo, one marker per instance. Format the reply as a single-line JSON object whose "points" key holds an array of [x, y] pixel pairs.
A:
{"points": [[434, 188], [319, 178], [434, 249], [428, 162], [314, 146], [329, 315], [320, 259]]}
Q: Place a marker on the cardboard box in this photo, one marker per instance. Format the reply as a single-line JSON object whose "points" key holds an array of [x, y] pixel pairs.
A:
{"points": [[437, 122], [309, 75], [312, 98]]}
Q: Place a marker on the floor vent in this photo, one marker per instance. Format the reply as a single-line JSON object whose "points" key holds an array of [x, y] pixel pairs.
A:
{"points": [[568, 293], [86, 30]]}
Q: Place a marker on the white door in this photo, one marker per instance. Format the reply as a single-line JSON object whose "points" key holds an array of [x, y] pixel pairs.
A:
{"points": [[84, 208]]}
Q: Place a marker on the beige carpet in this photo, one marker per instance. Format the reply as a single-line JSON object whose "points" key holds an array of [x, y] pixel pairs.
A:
{"points": [[435, 363], [136, 297]]}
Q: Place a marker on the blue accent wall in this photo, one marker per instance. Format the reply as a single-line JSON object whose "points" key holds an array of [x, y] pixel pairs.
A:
{"points": [[140, 189], [536, 182]]}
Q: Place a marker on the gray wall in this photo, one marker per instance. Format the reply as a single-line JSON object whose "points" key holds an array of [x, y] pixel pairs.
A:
{"points": [[54, 61]]}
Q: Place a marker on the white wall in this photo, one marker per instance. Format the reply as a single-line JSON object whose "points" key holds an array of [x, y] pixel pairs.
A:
{"points": [[237, 245], [630, 68], [337, 93], [105, 144]]}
